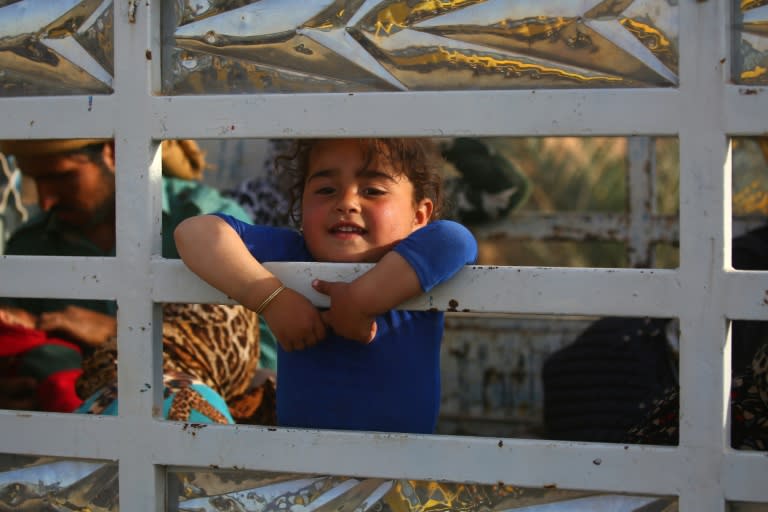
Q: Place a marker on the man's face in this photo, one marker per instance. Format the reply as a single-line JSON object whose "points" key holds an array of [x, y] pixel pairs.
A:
{"points": [[79, 190]]}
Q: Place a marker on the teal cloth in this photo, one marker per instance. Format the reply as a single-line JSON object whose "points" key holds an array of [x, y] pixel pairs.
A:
{"points": [[195, 416], [183, 199], [44, 235], [267, 347]]}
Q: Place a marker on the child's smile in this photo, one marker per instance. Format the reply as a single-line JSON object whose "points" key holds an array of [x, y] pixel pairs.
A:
{"points": [[344, 229]]}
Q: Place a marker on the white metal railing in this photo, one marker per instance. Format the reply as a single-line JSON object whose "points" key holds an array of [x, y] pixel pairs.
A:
{"points": [[704, 293]]}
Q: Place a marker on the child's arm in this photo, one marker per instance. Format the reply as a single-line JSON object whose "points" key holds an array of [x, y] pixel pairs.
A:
{"points": [[216, 253], [424, 259], [355, 305]]}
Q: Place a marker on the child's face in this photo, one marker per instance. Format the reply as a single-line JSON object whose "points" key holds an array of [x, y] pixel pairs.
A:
{"points": [[353, 212]]}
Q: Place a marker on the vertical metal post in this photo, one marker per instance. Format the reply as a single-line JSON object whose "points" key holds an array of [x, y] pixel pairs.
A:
{"points": [[705, 219], [641, 179], [139, 216]]}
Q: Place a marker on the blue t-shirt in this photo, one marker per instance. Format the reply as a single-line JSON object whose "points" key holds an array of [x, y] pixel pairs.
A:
{"points": [[393, 383]]}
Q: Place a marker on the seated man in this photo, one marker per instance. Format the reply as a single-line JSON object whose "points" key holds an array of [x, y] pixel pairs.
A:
{"points": [[75, 181]]}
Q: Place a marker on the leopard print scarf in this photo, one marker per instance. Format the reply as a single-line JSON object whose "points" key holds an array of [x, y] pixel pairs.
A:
{"points": [[211, 344]]}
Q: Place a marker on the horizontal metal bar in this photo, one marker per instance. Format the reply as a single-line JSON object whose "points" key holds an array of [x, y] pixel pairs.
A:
{"points": [[745, 295], [745, 109], [60, 277], [57, 117], [61, 435], [743, 476], [445, 113], [445, 458], [621, 468], [536, 113], [476, 289]]}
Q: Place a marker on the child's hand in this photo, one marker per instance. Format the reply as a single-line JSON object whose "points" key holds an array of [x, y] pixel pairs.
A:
{"points": [[345, 317], [294, 321]]}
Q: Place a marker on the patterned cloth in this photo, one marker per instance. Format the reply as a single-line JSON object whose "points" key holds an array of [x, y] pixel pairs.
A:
{"points": [[265, 198], [184, 399], [209, 364], [749, 410]]}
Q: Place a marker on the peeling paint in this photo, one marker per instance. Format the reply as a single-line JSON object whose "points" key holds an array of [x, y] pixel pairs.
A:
{"points": [[131, 11]]}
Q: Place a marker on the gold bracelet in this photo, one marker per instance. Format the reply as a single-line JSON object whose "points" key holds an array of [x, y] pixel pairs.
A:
{"points": [[269, 299]]}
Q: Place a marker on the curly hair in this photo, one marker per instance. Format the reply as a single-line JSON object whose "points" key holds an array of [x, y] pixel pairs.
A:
{"points": [[418, 159]]}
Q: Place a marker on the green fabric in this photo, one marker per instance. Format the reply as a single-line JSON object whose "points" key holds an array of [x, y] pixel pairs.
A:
{"points": [[491, 186], [45, 360], [267, 347], [44, 235], [183, 199]]}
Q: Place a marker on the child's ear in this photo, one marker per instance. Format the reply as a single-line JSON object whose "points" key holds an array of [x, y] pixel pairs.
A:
{"points": [[424, 210]]}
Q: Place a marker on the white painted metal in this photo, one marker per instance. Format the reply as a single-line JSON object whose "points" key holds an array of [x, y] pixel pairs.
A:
{"points": [[705, 220], [703, 292], [641, 179], [503, 113]]}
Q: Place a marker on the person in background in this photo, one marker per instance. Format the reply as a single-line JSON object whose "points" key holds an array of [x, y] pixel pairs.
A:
{"points": [[361, 364], [75, 184]]}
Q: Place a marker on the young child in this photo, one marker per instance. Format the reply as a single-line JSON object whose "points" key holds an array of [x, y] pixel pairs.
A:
{"points": [[359, 365]]}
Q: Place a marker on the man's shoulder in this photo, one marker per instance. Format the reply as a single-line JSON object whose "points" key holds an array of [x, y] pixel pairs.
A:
{"points": [[35, 222], [27, 235]]}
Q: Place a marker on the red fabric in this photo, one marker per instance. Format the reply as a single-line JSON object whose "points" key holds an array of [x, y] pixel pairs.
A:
{"points": [[56, 391], [15, 340]]}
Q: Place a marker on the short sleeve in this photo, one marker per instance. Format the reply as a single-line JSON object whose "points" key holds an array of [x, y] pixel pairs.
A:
{"points": [[269, 243], [438, 251]]}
